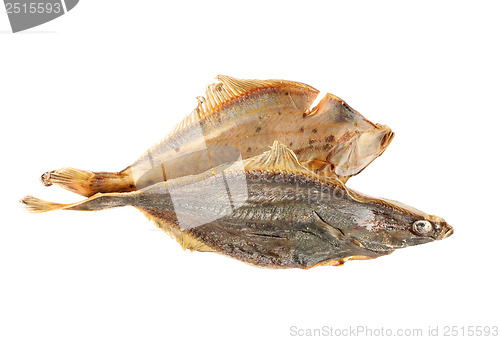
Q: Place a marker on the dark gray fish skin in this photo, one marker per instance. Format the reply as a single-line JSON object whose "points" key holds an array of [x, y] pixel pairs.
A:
{"points": [[271, 211], [290, 221]]}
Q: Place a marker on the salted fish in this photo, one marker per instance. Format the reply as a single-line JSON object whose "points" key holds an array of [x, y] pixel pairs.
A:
{"points": [[240, 119], [272, 211]]}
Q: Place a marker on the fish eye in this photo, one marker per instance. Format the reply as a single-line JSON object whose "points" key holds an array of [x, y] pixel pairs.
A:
{"points": [[422, 227]]}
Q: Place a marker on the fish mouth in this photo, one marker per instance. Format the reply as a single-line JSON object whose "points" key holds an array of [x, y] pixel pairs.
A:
{"points": [[448, 231], [387, 138]]}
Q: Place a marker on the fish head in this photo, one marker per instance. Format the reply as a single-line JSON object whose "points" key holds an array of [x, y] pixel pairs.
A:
{"points": [[357, 140], [382, 225], [358, 149], [434, 227]]}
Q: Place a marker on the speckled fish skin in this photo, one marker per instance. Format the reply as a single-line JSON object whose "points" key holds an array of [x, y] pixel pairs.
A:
{"points": [[289, 217], [247, 115]]}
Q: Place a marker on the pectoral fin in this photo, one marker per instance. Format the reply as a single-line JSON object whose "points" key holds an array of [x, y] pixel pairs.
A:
{"points": [[351, 249]]}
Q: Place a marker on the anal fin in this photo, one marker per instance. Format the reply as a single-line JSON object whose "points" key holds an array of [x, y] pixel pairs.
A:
{"points": [[342, 261], [182, 237]]}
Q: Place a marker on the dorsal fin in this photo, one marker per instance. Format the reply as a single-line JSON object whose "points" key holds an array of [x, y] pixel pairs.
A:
{"points": [[227, 89], [279, 158], [282, 159], [240, 87]]}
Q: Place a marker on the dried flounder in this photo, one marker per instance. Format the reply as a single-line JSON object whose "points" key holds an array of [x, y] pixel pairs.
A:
{"points": [[272, 211], [247, 115]]}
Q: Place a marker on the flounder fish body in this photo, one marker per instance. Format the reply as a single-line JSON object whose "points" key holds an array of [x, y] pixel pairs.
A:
{"points": [[247, 116], [272, 211]]}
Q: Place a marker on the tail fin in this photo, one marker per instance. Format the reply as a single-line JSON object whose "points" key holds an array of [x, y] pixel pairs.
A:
{"points": [[88, 183], [97, 202], [36, 205]]}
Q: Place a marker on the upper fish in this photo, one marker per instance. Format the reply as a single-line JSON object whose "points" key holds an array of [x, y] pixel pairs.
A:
{"points": [[239, 118]]}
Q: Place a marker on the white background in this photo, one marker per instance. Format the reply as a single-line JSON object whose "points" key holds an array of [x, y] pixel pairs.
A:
{"points": [[97, 87]]}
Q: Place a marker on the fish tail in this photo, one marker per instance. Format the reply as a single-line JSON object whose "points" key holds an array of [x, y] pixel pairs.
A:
{"points": [[36, 205], [97, 202], [88, 183]]}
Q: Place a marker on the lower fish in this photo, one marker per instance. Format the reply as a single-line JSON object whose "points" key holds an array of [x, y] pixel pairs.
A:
{"points": [[271, 211]]}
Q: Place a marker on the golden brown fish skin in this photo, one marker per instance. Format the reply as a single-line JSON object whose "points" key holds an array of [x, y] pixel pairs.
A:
{"points": [[248, 123], [331, 138], [342, 142], [183, 151]]}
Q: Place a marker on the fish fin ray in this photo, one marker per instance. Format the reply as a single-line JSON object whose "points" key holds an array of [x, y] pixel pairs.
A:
{"points": [[37, 205], [240, 87], [342, 261], [88, 183], [278, 158], [227, 89], [281, 158], [96, 202], [182, 237]]}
